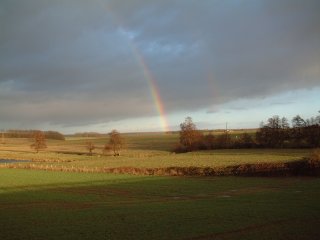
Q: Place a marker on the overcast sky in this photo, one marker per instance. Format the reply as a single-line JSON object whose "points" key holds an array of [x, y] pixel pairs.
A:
{"points": [[75, 65]]}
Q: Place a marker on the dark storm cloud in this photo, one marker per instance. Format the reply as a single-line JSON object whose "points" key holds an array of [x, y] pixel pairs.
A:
{"points": [[72, 62]]}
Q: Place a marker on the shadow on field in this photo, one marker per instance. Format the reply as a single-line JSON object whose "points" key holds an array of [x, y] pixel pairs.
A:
{"points": [[100, 206]]}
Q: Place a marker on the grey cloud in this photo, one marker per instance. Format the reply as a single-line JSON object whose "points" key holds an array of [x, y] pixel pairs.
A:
{"points": [[73, 62]]}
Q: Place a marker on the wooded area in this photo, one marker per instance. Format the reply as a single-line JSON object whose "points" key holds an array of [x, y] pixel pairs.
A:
{"points": [[276, 133]]}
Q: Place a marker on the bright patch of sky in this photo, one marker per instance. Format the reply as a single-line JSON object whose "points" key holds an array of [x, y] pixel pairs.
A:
{"points": [[243, 113]]}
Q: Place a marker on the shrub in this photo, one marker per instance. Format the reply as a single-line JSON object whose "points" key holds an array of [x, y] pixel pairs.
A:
{"points": [[179, 148], [315, 155], [90, 147]]}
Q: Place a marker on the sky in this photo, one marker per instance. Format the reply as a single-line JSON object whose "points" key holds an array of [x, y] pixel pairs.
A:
{"points": [[145, 65]]}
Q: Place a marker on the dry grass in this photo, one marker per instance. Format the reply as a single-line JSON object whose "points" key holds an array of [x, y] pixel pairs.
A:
{"points": [[71, 155], [296, 168]]}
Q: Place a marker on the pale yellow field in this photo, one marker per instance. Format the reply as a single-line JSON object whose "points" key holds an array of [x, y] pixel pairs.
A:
{"points": [[142, 150]]}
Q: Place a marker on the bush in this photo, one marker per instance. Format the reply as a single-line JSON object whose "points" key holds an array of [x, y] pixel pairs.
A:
{"points": [[315, 155], [179, 148]]}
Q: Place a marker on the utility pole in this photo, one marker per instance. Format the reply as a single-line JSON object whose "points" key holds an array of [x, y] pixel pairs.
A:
{"points": [[227, 137], [2, 136]]}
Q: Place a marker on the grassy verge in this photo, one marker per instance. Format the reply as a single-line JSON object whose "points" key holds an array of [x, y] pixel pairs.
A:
{"points": [[136, 158]]}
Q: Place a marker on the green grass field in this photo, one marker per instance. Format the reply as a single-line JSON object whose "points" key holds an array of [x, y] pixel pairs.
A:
{"points": [[59, 205]]}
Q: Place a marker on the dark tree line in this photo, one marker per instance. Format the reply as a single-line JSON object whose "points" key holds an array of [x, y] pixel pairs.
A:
{"points": [[88, 134], [30, 134], [192, 139], [276, 133]]}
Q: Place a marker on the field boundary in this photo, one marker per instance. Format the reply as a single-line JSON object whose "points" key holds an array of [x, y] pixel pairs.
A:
{"points": [[304, 167]]}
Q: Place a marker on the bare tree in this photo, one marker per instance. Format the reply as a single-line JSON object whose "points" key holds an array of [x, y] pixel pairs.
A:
{"points": [[90, 147], [274, 122], [284, 123], [189, 135], [274, 133], [2, 137], [298, 122], [39, 141], [116, 142]]}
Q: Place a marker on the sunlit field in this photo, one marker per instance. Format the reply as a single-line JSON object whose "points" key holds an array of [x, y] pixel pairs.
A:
{"points": [[141, 150]]}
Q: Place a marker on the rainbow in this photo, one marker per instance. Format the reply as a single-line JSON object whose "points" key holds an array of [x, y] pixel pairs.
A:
{"points": [[152, 83]]}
